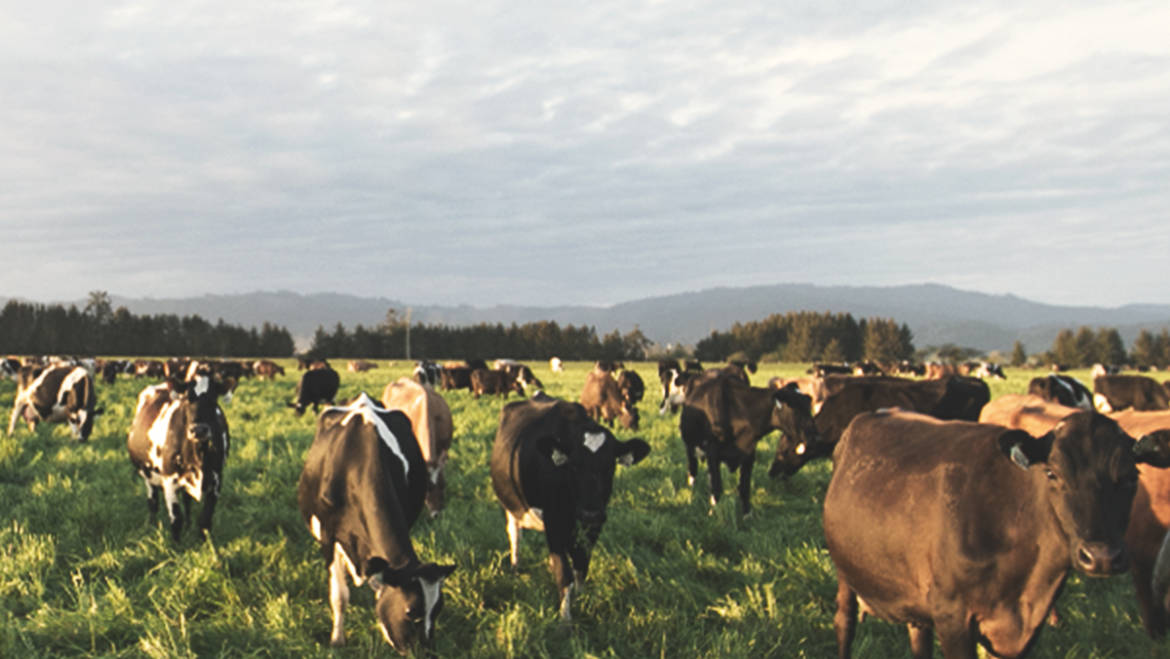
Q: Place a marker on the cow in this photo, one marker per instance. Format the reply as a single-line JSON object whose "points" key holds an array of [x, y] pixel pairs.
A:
{"points": [[867, 368], [940, 370], [1117, 392], [969, 530], [907, 367], [430, 418], [521, 373], [228, 373], [552, 470], [149, 368], [603, 400], [1063, 389], [55, 393], [9, 367], [633, 389], [455, 377], [178, 443], [176, 368], [982, 370], [360, 366], [111, 368], [556, 365], [266, 369], [724, 419], [813, 387], [608, 365], [1026, 412], [821, 370], [955, 397], [427, 372], [316, 386], [361, 490], [484, 381]]}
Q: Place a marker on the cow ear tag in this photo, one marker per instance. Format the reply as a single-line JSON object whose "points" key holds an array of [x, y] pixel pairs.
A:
{"points": [[559, 458], [1018, 457]]}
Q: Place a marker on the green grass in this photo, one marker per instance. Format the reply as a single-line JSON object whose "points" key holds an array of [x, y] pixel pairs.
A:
{"points": [[83, 573]]}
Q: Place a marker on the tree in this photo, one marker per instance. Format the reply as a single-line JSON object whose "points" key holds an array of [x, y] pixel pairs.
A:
{"points": [[1019, 357], [1110, 348], [99, 306]]}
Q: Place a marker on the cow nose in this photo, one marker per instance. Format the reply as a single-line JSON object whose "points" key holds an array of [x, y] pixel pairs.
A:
{"points": [[201, 431], [592, 516], [1101, 559]]}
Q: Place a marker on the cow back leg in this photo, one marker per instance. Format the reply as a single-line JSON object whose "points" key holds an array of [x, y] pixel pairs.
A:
{"points": [[714, 475], [558, 532], [17, 412], [921, 641], [845, 620], [171, 495], [338, 598], [745, 484], [151, 500], [210, 497], [692, 463], [514, 532]]}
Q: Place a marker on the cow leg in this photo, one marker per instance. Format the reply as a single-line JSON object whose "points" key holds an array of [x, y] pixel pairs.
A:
{"points": [[151, 501], [692, 464], [171, 494], [581, 551], [745, 484], [514, 538], [17, 412], [845, 620], [955, 637], [210, 497], [559, 531], [921, 641], [338, 598], [1150, 609], [714, 476]]}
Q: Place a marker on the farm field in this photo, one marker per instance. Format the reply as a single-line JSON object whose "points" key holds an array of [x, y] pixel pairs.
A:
{"points": [[82, 573]]}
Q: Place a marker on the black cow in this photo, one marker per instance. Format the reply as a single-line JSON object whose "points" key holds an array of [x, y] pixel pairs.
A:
{"points": [[455, 377], [1117, 392], [954, 397], [552, 469], [1063, 389], [59, 392], [316, 386], [969, 529], [724, 419], [178, 443], [361, 490], [632, 387]]}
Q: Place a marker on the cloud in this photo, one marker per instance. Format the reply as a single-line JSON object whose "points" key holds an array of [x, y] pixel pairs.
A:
{"points": [[583, 152]]}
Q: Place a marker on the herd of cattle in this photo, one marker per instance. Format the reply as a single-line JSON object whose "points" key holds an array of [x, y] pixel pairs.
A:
{"points": [[956, 514]]}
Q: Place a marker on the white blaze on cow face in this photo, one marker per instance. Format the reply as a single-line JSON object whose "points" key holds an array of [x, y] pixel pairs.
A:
{"points": [[1102, 404], [202, 385], [594, 441], [315, 527], [430, 592]]}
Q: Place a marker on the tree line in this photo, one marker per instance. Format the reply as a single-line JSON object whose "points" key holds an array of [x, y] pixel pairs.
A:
{"points": [[537, 340], [1087, 346], [808, 336], [99, 329]]}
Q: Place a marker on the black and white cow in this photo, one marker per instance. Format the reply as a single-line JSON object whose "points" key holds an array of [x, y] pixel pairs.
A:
{"points": [[1063, 389], [427, 372], [178, 443], [59, 392], [552, 469], [362, 488], [9, 367], [316, 386]]}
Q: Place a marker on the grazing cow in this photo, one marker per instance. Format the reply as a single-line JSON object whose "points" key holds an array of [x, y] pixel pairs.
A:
{"points": [[521, 374], [112, 367], [970, 530], [633, 389], [603, 400], [867, 368], [316, 386], [484, 381], [724, 419], [55, 393], [178, 443], [552, 470], [1101, 369], [1117, 392], [430, 417], [813, 387], [427, 372], [955, 397], [360, 366], [455, 377], [361, 490], [982, 370], [149, 368], [176, 368], [267, 369], [555, 365], [1063, 389]]}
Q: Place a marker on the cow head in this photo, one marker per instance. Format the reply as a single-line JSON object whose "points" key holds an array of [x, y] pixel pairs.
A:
{"points": [[587, 459], [629, 415], [202, 420], [799, 440], [674, 390], [409, 601], [1085, 469]]}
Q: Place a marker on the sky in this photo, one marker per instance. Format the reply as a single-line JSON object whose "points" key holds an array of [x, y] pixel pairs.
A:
{"points": [[583, 152]]}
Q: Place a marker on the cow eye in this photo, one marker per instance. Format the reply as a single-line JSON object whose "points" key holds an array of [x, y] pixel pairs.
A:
{"points": [[1050, 474]]}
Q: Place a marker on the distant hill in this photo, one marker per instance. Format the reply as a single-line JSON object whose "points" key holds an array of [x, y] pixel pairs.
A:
{"points": [[936, 314]]}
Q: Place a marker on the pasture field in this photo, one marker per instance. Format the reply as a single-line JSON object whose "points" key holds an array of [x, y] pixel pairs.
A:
{"points": [[82, 573]]}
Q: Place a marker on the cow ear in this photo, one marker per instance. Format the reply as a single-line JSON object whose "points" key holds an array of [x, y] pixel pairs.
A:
{"points": [[631, 452], [1153, 449], [1023, 449], [550, 447]]}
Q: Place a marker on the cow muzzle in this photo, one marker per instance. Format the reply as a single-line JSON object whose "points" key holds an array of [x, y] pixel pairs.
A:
{"points": [[200, 431], [591, 517], [1099, 559]]}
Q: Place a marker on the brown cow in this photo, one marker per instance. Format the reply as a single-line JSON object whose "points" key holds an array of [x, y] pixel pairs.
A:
{"points": [[1026, 412], [360, 366], [267, 369], [485, 381], [603, 400], [430, 418]]}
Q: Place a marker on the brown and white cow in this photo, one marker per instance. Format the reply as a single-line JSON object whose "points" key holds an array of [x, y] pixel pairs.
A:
{"points": [[360, 366], [485, 381], [603, 400], [430, 418], [267, 369], [178, 443], [55, 393]]}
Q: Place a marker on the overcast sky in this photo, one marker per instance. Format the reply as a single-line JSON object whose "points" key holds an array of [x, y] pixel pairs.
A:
{"points": [[589, 153]]}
